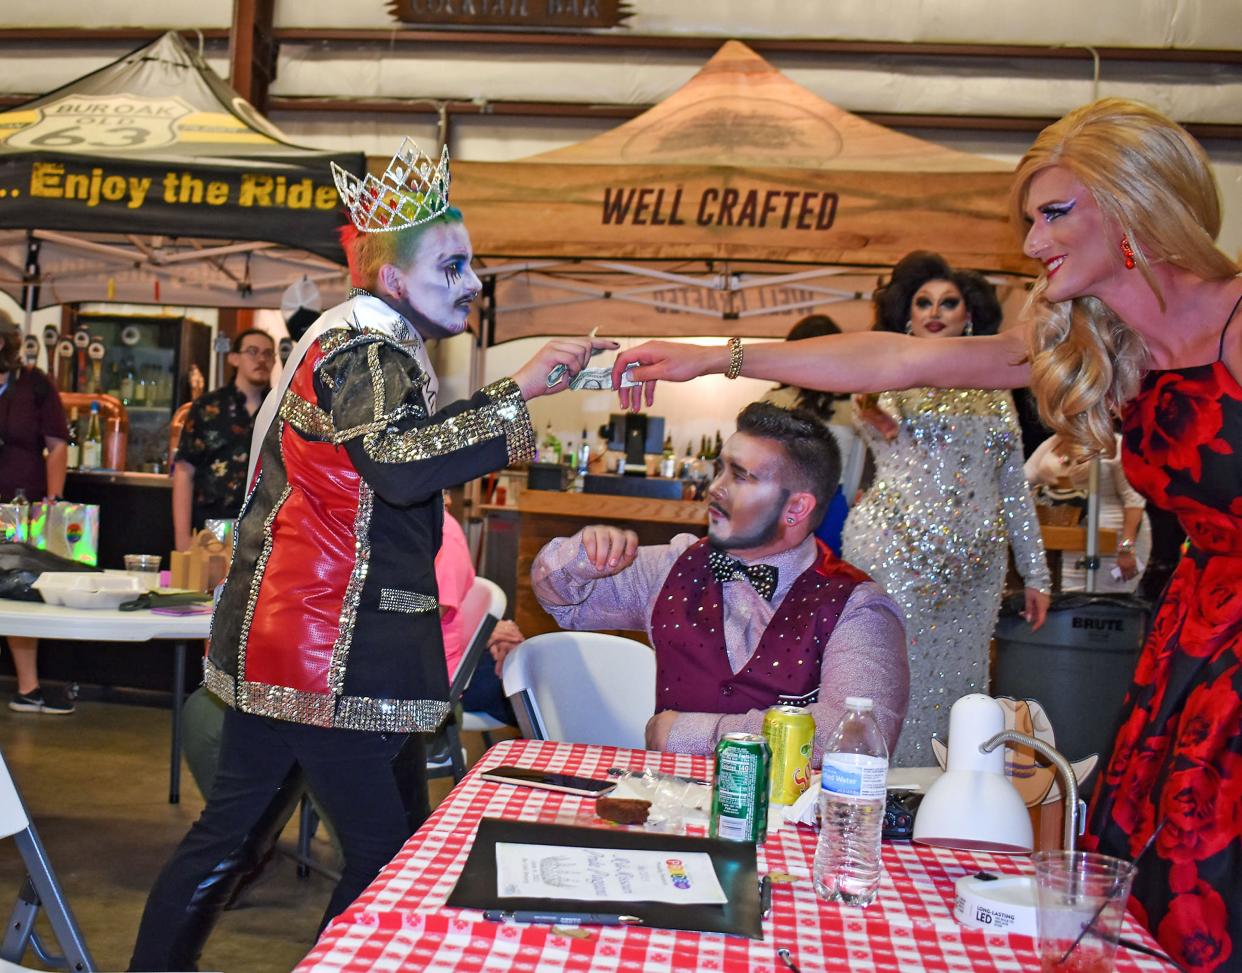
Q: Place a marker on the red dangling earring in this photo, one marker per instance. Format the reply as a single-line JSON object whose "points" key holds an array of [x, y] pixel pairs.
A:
{"points": [[1128, 252]]}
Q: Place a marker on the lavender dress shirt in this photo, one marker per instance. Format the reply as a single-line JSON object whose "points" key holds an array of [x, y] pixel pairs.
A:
{"points": [[865, 655]]}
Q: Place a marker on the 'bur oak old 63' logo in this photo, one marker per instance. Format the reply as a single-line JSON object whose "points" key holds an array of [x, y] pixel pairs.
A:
{"points": [[88, 123]]}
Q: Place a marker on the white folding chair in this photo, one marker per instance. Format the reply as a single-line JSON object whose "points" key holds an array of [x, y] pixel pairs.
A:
{"points": [[479, 722], [41, 890], [481, 609], [582, 687]]}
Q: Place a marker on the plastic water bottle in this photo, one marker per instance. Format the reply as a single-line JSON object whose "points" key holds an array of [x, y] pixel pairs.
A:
{"points": [[851, 808]]}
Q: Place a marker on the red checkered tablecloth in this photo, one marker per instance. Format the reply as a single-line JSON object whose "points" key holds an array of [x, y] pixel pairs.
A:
{"points": [[400, 921]]}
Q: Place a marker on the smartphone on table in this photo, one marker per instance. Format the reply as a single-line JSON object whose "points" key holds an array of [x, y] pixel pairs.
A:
{"points": [[529, 777]]}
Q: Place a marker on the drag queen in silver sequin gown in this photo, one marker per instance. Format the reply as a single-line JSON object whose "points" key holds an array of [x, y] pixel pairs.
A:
{"points": [[949, 493]]}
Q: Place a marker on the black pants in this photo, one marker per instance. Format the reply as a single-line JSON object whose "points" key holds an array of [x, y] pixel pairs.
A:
{"points": [[350, 771]]}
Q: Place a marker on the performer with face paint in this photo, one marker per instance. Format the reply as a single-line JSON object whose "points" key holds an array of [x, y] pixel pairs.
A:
{"points": [[948, 501], [326, 640], [756, 614]]}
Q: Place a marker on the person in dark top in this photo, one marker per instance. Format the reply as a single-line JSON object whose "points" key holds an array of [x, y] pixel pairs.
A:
{"points": [[209, 471], [34, 440], [326, 644]]}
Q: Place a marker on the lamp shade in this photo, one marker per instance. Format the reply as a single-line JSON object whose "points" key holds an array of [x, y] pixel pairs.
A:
{"points": [[973, 806]]}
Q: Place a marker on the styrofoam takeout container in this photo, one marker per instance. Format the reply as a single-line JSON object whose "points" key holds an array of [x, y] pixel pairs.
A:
{"points": [[81, 589]]}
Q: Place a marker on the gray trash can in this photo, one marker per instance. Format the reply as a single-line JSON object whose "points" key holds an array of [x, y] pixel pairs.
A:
{"points": [[1078, 665]]}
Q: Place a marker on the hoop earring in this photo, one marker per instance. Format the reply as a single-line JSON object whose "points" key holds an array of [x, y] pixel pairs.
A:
{"points": [[1127, 252], [970, 328], [909, 326]]}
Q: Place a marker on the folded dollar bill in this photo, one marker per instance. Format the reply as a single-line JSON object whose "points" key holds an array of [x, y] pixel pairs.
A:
{"points": [[598, 379]]}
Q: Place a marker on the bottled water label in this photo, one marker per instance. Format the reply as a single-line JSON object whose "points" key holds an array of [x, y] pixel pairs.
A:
{"points": [[855, 775]]}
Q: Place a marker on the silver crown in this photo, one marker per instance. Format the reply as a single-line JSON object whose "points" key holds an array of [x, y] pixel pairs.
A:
{"points": [[412, 190]]}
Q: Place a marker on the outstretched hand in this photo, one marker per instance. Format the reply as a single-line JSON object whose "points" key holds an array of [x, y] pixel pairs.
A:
{"points": [[573, 353], [664, 361]]}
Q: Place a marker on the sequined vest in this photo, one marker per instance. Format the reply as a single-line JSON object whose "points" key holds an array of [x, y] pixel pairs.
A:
{"points": [[687, 629]]}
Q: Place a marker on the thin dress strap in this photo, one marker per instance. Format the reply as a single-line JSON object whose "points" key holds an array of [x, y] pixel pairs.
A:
{"points": [[1220, 352]]}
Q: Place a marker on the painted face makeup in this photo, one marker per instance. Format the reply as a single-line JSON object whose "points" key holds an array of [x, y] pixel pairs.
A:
{"points": [[938, 310], [1069, 236], [439, 287], [747, 498]]}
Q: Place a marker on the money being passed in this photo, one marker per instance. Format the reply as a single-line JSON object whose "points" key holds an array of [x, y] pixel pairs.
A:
{"points": [[598, 379]]}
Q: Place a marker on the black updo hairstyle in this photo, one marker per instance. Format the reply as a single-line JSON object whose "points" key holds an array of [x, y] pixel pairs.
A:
{"points": [[815, 326], [892, 300]]}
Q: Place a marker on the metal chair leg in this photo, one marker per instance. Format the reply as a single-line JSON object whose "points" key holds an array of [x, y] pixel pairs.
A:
{"points": [[42, 890]]}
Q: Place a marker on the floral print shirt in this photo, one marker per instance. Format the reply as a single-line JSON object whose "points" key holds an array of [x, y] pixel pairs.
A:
{"points": [[215, 440]]}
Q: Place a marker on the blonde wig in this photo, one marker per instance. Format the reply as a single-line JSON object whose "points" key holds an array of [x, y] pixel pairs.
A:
{"points": [[1152, 180]]}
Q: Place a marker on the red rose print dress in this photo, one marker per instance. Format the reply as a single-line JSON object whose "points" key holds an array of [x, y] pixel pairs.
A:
{"points": [[1178, 754]]}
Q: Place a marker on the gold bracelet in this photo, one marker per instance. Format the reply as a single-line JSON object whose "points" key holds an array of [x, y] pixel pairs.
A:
{"points": [[735, 358]]}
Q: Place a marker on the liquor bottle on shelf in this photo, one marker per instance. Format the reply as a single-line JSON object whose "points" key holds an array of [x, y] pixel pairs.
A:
{"points": [[668, 461], [140, 388], [92, 445], [551, 452], [584, 455], [718, 447], [73, 454], [114, 381], [127, 383]]}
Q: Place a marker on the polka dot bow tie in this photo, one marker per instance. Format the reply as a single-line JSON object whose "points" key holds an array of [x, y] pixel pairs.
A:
{"points": [[761, 576]]}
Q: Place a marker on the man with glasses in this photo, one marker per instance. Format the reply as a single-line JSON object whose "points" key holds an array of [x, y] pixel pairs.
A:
{"points": [[209, 472]]}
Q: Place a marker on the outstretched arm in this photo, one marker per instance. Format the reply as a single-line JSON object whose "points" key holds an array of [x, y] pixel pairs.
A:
{"points": [[858, 362]]}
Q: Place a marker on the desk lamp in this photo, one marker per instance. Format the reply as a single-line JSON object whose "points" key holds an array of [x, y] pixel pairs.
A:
{"points": [[974, 807]]}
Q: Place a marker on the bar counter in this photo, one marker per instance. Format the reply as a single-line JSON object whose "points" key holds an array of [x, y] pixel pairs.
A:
{"points": [[135, 512], [516, 533]]}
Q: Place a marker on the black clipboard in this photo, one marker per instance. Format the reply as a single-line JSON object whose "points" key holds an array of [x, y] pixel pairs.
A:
{"points": [[734, 862]]}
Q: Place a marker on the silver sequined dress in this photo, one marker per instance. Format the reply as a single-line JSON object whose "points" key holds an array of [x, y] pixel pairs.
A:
{"points": [[949, 492]]}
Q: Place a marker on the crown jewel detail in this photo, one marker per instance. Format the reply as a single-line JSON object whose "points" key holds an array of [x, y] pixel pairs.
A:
{"points": [[413, 190]]}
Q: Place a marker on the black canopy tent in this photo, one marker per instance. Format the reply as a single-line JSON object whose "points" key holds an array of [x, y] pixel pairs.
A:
{"points": [[151, 181]]}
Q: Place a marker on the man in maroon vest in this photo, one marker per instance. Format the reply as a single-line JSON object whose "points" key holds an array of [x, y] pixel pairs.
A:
{"points": [[757, 613]]}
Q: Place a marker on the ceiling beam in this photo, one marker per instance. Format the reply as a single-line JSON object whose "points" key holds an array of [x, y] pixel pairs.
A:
{"points": [[671, 42], [252, 50], [569, 109]]}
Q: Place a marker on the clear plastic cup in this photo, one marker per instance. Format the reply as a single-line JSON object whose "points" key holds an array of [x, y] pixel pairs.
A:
{"points": [[1081, 905], [144, 567]]}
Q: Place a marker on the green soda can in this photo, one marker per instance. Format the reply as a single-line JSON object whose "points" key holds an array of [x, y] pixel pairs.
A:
{"points": [[740, 792]]}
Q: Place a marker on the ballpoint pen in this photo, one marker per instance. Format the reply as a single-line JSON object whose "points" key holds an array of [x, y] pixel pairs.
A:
{"points": [[563, 918]]}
